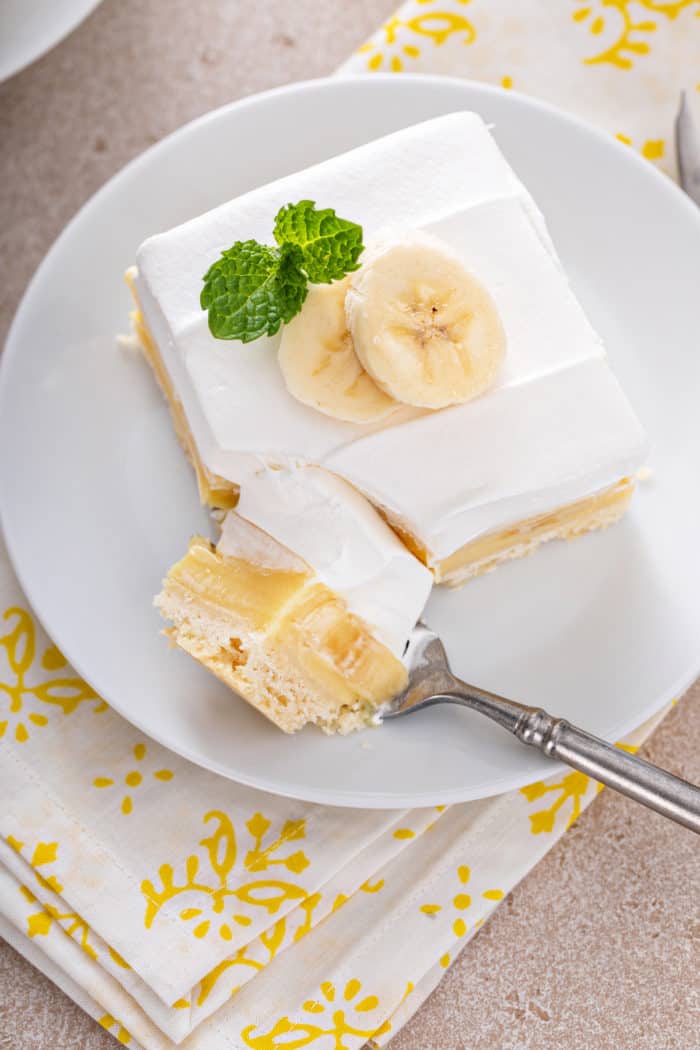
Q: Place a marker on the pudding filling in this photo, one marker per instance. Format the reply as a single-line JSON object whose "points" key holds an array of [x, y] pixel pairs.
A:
{"points": [[279, 637], [524, 537], [214, 491]]}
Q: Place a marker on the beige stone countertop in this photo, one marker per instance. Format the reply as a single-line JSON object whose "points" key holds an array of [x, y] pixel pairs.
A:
{"points": [[599, 947]]}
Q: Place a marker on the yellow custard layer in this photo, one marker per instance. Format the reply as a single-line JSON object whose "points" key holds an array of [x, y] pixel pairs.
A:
{"points": [[214, 491], [281, 639], [486, 552]]}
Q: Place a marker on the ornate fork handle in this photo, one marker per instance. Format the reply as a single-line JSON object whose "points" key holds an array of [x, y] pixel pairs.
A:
{"points": [[555, 737]]}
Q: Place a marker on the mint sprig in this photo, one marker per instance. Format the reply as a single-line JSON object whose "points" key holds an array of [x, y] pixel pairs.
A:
{"points": [[331, 245], [254, 288]]}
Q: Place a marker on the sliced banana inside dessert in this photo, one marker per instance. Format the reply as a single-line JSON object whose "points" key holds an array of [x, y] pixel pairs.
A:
{"points": [[422, 325], [319, 363]]}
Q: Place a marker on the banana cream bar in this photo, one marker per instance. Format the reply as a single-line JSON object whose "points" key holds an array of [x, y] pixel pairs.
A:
{"points": [[389, 338], [548, 445]]}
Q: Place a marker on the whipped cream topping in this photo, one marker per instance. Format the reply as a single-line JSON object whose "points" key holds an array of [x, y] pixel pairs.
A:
{"points": [[239, 538], [555, 426], [324, 521]]}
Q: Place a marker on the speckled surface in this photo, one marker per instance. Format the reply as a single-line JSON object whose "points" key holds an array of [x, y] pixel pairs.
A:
{"points": [[599, 948]]}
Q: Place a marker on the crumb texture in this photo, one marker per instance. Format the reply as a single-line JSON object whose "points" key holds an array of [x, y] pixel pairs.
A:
{"points": [[280, 639]]}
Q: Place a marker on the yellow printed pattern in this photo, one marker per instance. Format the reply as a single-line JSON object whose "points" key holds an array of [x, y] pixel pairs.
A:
{"points": [[31, 693], [458, 904], [133, 778], [225, 892], [116, 1028], [435, 25], [621, 64], [652, 149], [571, 789], [39, 923], [289, 930], [631, 34], [329, 1015]]}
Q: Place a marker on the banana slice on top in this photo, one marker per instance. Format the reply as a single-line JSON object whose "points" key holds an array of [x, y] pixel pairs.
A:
{"points": [[424, 328], [319, 363]]}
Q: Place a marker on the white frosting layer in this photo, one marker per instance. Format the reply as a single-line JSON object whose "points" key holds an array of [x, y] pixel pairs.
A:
{"points": [[241, 539], [341, 537], [523, 450], [555, 426]]}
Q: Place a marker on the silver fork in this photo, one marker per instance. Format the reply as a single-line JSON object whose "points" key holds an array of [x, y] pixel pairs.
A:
{"points": [[431, 682], [688, 150]]}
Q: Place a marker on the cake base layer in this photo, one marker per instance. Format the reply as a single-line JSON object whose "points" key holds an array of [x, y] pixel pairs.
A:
{"points": [[487, 552], [280, 639], [214, 491]]}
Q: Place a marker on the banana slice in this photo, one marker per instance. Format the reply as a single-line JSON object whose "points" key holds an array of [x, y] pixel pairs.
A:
{"points": [[424, 328], [319, 363]]}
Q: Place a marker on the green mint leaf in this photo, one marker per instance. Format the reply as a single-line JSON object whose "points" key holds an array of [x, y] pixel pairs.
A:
{"points": [[252, 289], [331, 246], [292, 284]]}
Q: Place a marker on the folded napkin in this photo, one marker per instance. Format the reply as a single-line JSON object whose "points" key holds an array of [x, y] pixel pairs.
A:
{"points": [[178, 908]]}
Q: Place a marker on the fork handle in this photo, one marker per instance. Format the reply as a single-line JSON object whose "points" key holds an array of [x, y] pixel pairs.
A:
{"points": [[653, 787], [632, 776]]}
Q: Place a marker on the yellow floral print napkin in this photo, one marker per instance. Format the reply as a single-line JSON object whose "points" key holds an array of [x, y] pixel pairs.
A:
{"points": [[178, 908], [620, 64]]}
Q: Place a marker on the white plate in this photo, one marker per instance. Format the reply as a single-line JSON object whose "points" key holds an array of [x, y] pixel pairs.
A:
{"points": [[30, 28], [98, 501]]}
